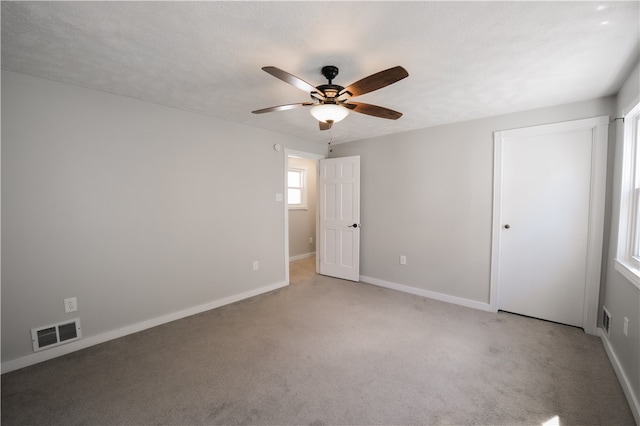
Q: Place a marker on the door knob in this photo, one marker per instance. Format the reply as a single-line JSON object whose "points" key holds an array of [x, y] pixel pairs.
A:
{"points": [[355, 225], [507, 226]]}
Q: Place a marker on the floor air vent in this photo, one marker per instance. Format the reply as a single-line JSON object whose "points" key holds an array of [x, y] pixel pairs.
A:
{"points": [[54, 335], [606, 320]]}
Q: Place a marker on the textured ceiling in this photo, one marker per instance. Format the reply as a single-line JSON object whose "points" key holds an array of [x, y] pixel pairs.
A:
{"points": [[466, 60]]}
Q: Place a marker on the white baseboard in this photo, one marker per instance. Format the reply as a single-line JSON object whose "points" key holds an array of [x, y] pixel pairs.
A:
{"points": [[302, 256], [632, 399], [426, 293], [83, 343]]}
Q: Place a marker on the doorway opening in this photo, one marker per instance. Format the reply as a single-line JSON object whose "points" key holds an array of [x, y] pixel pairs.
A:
{"points": [[300, 209]]}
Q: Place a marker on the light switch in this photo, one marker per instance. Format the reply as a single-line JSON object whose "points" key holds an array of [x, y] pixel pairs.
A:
{"points": [[278, 196], [625, 327]]}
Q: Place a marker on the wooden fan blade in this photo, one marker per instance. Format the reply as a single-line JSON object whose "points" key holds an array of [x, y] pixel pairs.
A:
{"points": [[374, 110], [291, 79], [375, 81], [324, 126], [281, 107]]}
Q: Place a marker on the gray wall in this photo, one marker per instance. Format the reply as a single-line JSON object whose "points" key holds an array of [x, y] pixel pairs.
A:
{"points": [[137, 210], [302, 223], [621, 297]]}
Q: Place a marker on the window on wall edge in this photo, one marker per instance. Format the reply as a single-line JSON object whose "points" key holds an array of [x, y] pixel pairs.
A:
{"points": [[296, 189], [627, 260]]}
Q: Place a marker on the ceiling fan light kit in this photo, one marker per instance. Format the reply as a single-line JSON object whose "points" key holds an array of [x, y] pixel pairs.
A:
{"points": [[331, 103], [329, 113]]}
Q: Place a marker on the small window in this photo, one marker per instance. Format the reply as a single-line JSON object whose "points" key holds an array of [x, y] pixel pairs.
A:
{"points": [[628, 256], [296, 191]]}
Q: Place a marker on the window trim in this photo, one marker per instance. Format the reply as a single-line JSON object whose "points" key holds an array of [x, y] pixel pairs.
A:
{"points": [[627, 262], [303, 189]]}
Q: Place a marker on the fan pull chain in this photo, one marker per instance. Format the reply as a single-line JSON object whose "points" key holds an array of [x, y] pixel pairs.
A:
{"points": [[330, 140]]}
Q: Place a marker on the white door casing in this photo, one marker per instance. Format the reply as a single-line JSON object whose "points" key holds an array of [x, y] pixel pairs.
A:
{"points": [[339, 211], [549, 188]]}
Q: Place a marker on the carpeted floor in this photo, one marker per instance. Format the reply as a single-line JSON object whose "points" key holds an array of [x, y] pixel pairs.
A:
{"points": [[324, 351]]}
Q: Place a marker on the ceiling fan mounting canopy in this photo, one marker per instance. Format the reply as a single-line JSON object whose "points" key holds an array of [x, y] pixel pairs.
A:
{"points": [[331, 102], [330, 72]]}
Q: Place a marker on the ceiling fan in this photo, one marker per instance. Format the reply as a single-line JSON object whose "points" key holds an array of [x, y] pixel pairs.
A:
{"points": [[331, 102]]}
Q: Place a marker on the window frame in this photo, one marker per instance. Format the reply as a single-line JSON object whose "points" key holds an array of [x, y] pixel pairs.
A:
{"points": [[627, 260], [303, 189]]}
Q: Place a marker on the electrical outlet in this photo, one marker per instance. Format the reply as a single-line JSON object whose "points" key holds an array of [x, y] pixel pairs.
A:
{"points": [[625, 327], [256, 265], [70, 305], [403, 260]]}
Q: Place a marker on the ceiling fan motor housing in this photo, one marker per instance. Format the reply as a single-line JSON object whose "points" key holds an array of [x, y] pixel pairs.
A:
{"points": [[330, 91]]}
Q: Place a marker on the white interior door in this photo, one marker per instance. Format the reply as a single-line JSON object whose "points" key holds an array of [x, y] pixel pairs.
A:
{"points": [[339, 210], [547, 228]]}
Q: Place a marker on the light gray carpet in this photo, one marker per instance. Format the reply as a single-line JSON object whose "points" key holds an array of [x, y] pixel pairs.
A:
{"points": [[326, 351]]}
